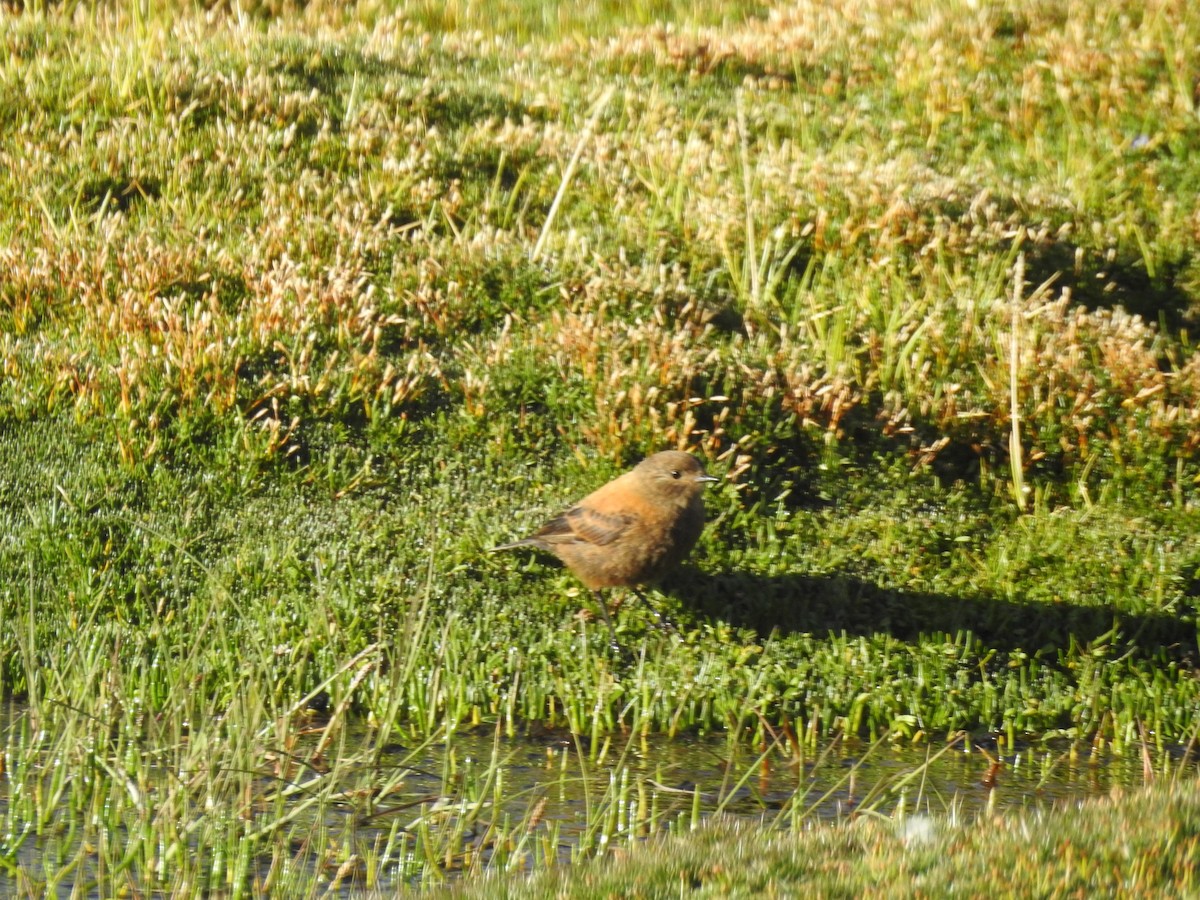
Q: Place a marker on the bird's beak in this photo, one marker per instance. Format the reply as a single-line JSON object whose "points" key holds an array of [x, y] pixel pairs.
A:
{"points": [[705, 479]]}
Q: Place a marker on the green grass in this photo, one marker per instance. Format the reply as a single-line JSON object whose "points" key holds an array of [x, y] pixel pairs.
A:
{"points": [[1124, 847], [302, 310]]}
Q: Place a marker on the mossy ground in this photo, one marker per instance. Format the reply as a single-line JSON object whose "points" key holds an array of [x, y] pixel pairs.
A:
{"points": [[304, 309]]}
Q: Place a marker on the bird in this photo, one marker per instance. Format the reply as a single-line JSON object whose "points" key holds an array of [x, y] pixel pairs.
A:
{"points": [[633, 530]]}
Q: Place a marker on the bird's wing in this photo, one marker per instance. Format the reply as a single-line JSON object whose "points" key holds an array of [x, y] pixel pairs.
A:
{"points": [[580, 523]]}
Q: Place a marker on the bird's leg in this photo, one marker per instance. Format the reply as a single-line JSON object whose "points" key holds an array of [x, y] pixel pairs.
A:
{"points": [[612, 632], [664, 620]]}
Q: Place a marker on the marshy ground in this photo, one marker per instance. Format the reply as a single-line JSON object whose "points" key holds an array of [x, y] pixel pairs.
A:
{"points": [[303, 308]]}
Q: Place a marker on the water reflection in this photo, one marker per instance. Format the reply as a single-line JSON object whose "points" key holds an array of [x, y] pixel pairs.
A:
{"points": [[383, 817], [757, 783], [581, 799]]}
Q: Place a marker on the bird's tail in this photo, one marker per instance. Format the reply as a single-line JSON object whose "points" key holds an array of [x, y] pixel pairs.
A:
{"points": [[524, 542]]}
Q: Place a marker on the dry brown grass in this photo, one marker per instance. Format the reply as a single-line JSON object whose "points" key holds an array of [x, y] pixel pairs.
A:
{"points": [[264, 229]]}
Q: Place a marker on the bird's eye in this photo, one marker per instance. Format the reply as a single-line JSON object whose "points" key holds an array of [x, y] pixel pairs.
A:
{"points": [[675, 474]]}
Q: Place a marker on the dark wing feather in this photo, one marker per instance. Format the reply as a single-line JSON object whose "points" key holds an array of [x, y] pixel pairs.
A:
{"points": [[579, 523]]}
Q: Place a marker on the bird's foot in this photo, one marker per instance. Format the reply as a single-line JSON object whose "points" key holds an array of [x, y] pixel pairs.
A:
{"points": [[662, 620]]}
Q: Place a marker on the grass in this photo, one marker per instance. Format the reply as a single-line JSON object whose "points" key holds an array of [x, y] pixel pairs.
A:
{"points": [[302, 310], [1147, 848]]}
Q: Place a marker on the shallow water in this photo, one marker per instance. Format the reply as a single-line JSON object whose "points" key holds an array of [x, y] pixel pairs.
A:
{"points": [[654, 786], [547, 797], [833, 781]]}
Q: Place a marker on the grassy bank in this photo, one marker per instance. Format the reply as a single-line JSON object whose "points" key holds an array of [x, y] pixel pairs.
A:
{"points": [[301, 311], [1121, 847]]}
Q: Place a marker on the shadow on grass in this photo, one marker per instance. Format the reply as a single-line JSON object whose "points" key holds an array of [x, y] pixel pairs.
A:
{"points": [[1095, 283], [841, 603]]}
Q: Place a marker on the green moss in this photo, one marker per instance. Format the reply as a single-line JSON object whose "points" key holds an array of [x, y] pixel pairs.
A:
{"points": [[288, 341]]}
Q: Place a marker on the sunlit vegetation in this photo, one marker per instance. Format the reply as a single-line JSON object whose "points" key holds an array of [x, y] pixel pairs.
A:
{"points": [[303, 308]]}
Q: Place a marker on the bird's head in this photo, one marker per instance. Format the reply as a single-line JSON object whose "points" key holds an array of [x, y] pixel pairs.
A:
{"points": [[673, 475]]}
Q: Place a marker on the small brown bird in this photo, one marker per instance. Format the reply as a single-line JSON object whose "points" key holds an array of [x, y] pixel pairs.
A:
{"points": [[633, 530]]}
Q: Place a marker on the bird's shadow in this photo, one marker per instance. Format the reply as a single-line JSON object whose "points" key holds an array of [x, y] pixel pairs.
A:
{"points": [[836, 604]]}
